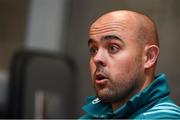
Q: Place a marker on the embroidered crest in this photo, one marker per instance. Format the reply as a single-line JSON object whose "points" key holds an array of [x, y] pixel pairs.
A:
{"points": [[96, 100]]}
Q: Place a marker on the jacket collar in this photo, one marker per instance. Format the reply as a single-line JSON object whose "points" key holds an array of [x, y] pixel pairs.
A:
{"points": [[156, 90]]}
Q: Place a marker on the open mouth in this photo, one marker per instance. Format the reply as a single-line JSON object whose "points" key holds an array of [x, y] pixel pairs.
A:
{"points": [[100, 77]]}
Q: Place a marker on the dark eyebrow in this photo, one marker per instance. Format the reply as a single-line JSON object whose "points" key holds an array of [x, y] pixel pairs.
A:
{"points": [[90, 41], [107, 37]]}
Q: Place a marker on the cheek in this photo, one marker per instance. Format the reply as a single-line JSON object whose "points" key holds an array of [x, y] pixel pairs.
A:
{"points": [[120, 69], [122, 66]]}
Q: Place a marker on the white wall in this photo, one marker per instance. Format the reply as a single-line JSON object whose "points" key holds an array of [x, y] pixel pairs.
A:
{"points": [[47, 24]]}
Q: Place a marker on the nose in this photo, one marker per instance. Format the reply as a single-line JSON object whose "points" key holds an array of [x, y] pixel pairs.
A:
{"points": [[100, 58]]}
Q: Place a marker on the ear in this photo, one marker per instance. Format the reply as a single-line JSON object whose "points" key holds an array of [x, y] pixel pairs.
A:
{"points": [[151, 56]]}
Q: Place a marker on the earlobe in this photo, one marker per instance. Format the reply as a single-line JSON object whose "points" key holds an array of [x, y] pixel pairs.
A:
{"points": [[151, 56]]}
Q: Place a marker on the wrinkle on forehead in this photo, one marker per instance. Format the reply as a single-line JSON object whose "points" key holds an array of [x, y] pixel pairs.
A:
{"points": [[114, 26]]}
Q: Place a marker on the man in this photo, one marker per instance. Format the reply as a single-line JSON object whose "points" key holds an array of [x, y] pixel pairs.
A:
{"points": [[124, 50]]}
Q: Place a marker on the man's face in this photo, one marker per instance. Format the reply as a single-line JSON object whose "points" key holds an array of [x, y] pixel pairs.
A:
{"points": [[115, 60]]}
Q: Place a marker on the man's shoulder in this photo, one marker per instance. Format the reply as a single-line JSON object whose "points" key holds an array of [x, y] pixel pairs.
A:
{"points": [[166, 110]]}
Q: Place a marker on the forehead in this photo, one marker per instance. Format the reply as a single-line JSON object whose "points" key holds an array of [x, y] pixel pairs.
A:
{"points": [[116, 24], [108, 21]]}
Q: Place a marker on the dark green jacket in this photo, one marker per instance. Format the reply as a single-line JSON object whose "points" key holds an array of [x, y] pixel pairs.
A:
{"points": [[151, 103]]}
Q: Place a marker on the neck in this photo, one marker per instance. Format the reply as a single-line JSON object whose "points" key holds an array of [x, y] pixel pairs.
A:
{"points": [[117, 104]]}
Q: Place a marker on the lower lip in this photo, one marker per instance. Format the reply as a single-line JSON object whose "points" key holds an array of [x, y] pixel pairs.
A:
{"points": [[103, 81]]}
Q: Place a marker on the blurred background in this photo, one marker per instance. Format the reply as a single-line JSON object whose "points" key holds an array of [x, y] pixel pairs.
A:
{"points": [[44, 56]]}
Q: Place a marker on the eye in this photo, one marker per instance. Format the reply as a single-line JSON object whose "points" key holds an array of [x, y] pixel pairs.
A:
{"points": [[113, 48], [93, 50]]}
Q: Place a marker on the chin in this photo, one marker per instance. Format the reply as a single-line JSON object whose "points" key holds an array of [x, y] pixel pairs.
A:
{"points": [[105, 96]]}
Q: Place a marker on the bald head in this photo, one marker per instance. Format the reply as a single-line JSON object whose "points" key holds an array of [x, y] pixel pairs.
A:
{"points": [[144, 27]]}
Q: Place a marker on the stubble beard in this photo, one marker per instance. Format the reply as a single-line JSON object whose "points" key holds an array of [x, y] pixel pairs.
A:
{"points": [[116, 91]]}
